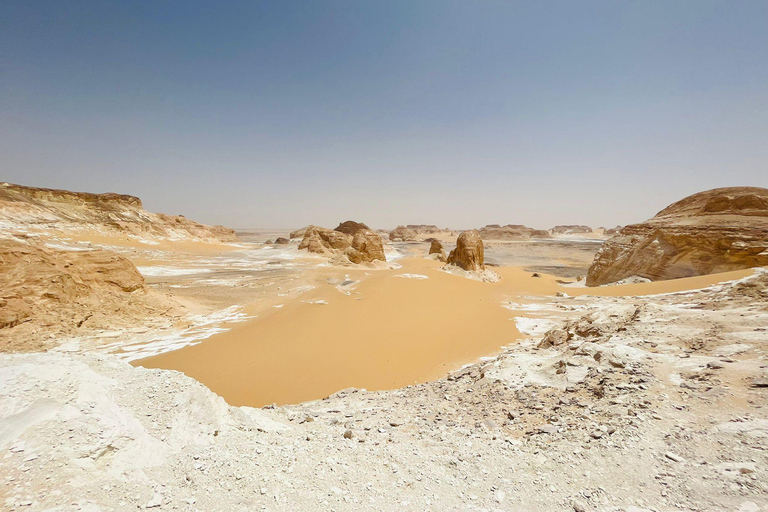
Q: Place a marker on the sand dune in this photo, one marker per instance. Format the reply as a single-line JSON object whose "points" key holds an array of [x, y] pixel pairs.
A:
{"points": [[386, 333]]}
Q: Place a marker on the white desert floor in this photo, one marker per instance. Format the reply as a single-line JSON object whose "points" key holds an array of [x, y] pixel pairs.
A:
{"points": [[654, 402]]}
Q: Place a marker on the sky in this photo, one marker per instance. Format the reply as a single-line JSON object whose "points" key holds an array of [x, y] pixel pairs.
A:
{"points": [[455, 113]]}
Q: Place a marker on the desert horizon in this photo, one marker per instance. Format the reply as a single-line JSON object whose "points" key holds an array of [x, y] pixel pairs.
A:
{"points": [[523, 261]]}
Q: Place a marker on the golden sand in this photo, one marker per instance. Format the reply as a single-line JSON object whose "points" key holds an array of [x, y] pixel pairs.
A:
{"points": [[389, 332]]}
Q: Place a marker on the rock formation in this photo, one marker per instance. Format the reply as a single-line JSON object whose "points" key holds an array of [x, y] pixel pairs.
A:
{"points": [[357, 243], [351, 227], [468, 253], [29, 208], [511, 232], [436, 248], [402, 233], [282, 241], [612, 231], [570, 229], [299, 233], [67, 291], [714, 231]]}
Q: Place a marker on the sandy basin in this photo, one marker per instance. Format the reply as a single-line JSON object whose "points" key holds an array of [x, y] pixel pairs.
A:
{"points": [[373, 329]]}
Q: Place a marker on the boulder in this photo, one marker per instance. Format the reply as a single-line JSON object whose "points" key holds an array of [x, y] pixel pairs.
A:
{"points": [[468, 253], [714, 231]]}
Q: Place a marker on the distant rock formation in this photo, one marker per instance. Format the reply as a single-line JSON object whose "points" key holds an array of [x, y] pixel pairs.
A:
{"points": [[425, 228], [282, 241], [570, 229], [436, 248], [357, 243], [468, 253], [713, 231], [67, 292], [612, 231], [511, 232], [351, 227], [403, 234], [29, 208]]}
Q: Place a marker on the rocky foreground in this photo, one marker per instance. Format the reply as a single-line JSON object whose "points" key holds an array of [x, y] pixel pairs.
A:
{"points": [[640, 403]]}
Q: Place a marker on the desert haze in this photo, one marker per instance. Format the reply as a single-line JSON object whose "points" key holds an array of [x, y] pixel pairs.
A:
{"points": [[351, 256]]}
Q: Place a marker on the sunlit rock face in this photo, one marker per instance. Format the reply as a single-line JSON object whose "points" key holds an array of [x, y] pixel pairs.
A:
{"points": [[468, 253], [353, 240], [714, 231], [23, 208]]}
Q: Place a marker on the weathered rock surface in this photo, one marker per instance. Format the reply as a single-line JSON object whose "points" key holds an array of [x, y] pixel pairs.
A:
{"points": [[468, 253], [356, 243], [717, 230], [24, 208], [403, 234], [351, 227], [282, 240], [436, 248], [511, 232], [570, 229], [67, 291], [299, 233]]}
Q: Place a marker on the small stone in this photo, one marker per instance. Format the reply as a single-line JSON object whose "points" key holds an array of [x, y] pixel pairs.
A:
{"points": [[347, 434], [715, 365], [578, 506], [674, 457]]}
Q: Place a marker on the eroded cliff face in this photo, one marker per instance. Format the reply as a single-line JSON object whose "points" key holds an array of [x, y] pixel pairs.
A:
{"points": [[713, 231], [29, 208]]}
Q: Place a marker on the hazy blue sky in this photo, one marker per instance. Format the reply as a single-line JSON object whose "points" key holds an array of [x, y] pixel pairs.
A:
{"points": [[458, 113]]}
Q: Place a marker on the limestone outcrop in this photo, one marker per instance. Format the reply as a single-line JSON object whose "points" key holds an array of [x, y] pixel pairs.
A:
{"points": [[468, 253], [67, 292], [402, 233], [355, 244], [27, 209], [511, 232], [299, 233], [713, 231]]}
